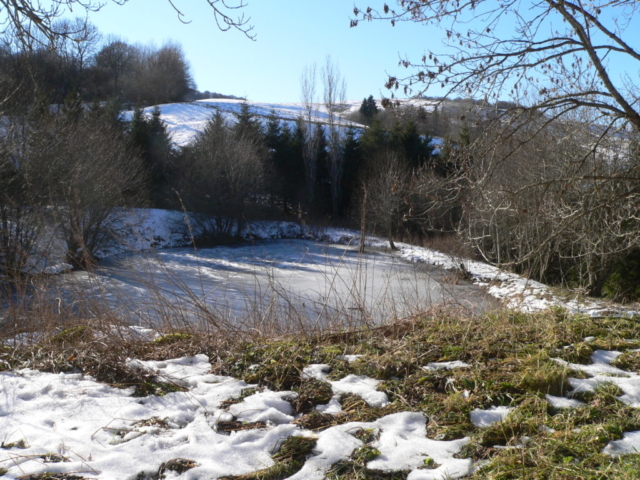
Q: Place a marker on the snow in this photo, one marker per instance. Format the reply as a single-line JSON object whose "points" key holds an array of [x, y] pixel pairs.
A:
{"points": [[560, 403], [601, 373], [630, 443], [433, 366], [349, 358], [185, 121], [363, 386], [359, 385], [402, 445], [387, 288], [269, 407], [322, 282], [105, 433], [484, 418], [515, 291]]}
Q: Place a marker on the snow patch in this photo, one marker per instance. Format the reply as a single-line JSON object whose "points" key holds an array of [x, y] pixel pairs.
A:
{"points": [[363, 386], [484, 418], [433, 366]]}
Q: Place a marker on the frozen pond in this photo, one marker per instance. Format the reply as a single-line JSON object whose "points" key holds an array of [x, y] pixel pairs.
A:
{"points": [[294, 279]]}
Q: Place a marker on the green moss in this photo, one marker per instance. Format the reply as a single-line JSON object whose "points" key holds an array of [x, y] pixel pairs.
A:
{"points": [[171, 338], [21, 444], [152, 386], [365, 454], [72, 334], [542, 375]]}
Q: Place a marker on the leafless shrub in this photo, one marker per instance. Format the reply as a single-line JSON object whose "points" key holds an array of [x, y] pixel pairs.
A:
{"points": [[79, 166], [386, 187], [559, 204]]}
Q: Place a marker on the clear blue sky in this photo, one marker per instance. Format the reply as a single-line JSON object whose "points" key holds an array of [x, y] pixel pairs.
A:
{"points": [[290, 34]]}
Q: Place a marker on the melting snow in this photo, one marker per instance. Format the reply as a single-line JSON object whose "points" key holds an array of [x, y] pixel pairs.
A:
{"points": [[105, 433], [433, 366], [359, 385], [560, 403], [484, 418]]}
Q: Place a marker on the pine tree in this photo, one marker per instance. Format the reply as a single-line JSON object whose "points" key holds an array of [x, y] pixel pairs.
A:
{"points": [[322, 203], [352, 170], [247, 124], [150, 140], [374, 139], [273, 170], [416, 149], [368, 108]]}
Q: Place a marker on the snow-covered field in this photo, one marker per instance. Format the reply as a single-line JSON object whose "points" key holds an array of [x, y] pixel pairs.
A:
{"points": [[185, 121], [71, 424]]}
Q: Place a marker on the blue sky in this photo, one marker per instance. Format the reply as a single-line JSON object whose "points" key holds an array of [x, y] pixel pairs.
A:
{"points": [[290, 34]]}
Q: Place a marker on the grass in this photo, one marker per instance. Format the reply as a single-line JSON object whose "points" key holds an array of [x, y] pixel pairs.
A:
{"points": [[510, 357], [287, 461]]}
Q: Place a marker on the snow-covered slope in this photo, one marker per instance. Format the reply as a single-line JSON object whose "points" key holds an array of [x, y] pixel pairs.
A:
{"points": [[185, 120]]}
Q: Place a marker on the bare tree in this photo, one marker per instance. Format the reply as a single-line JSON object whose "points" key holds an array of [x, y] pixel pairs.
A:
{"points": [[560, 206], [159, 75], [79, 165], [334, 96], [558, 50], [552, 185], [79, 44], [308, 83], [386, 190], [20, 216], [31, 20], [116, 58]]}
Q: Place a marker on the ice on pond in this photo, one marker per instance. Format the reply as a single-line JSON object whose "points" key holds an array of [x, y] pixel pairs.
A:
{"points": [[314, 280]]}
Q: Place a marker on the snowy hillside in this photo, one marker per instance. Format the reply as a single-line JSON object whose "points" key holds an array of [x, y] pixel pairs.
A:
{"points": [[185, 120]]}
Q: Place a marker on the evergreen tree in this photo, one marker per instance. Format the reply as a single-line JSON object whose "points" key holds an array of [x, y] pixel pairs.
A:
{"points": [[322, 203], [139, 130], [369, 108], [416, 149], [273, 169], [247, 124], [374, 139], [272, 137], [150, 140], [352, 170], [290, 167]]}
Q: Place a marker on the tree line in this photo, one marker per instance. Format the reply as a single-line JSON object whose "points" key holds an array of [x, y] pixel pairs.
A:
{"points": [[82, 62], [254, 167]]}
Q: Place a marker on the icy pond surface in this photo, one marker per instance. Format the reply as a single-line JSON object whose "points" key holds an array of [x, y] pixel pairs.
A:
{"points": [[293, 278]]}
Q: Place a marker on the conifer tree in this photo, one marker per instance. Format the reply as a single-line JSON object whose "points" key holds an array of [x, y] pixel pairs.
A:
{"points": [[416, 149], [352, 170], [369, 108], [150, 141], [247, 123]]}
